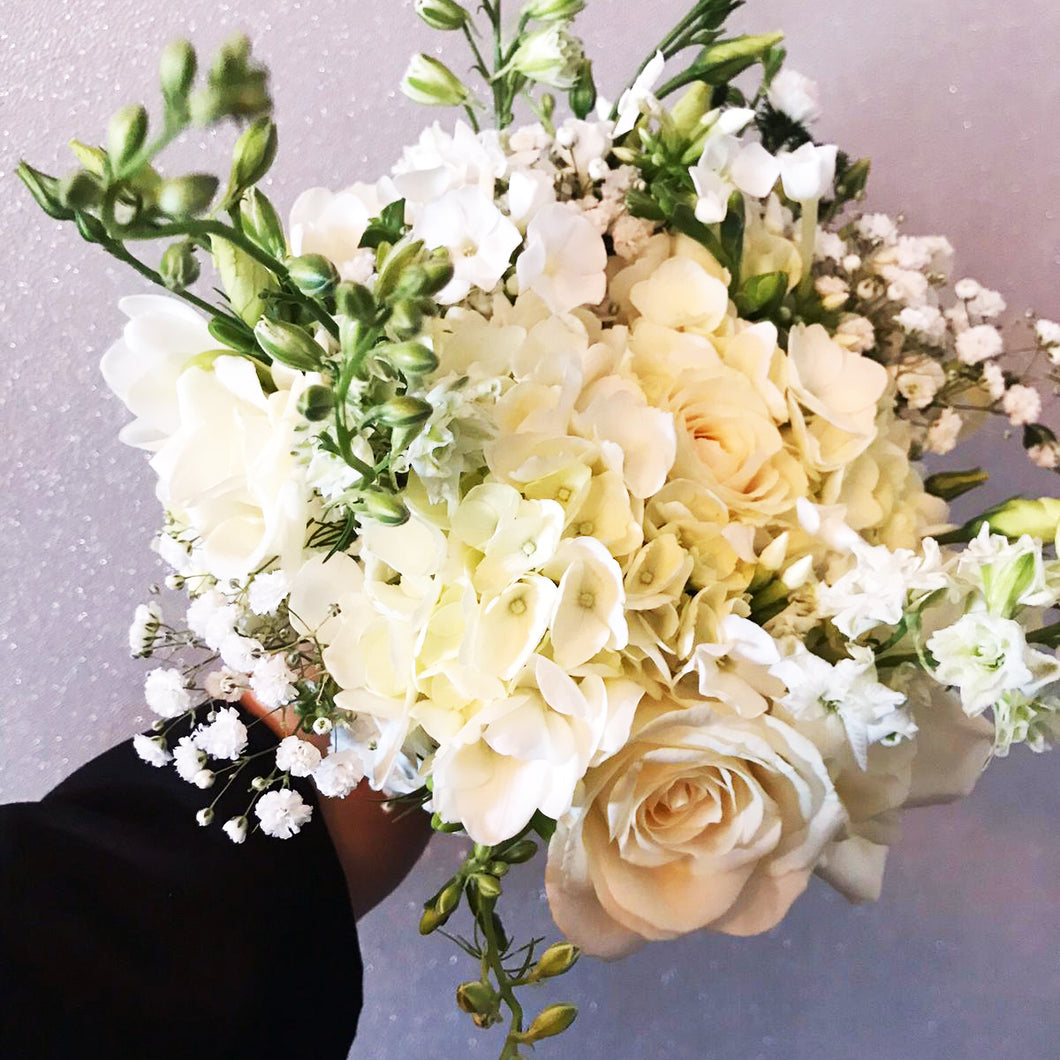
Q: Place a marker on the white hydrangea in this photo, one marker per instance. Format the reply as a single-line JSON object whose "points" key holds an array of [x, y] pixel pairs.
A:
{"points": [[979, 343], [1022, 404], [152, 749], [225, 737], [339, 773], [166, 693], [273, 681], [282, 813], [297, 756], [268, 591]]}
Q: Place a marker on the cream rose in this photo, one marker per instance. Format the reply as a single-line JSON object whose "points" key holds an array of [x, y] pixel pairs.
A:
{"points": [[702, 820]]}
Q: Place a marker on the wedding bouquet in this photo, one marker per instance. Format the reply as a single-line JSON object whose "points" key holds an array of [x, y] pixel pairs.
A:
{"points": [[567, 478]]}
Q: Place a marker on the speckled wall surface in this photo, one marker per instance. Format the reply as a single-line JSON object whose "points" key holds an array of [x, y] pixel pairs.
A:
{"points": [[958, 103]]}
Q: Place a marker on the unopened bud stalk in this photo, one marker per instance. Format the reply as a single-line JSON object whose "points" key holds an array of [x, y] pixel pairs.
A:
{"points": [[433, 84]]}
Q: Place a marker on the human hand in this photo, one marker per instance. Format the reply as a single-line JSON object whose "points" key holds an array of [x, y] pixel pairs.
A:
{"points": [[376, 846]]}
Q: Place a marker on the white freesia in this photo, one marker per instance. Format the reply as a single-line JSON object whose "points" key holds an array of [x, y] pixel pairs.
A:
{"points": [[701, 820], [564, 259], [478, 236], [638, 98]]}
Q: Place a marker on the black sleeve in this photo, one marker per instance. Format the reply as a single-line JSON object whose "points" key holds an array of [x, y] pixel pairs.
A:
{"points": [[126, 930]]}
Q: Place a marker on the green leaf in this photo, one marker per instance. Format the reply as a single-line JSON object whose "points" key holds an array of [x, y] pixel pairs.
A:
{"points": [[544, 826], [245, 280], [388, 227], [760, 296], [684, 220], [732, 232]]}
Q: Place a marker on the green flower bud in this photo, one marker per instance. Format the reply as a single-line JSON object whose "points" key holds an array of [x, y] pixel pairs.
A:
{"points": [[439, 269], [486, 885], [176, 71], [721, 62], [498, 868], [80, 190], [253, 154], [411, 358], [404, 411], [431, 920], [91, 228], [949, 485], [45, 190], [444, 826], [556, 960], [552, 10], [384, 508], [180, 267], [397, 263], [289, 344], [442, 14], [476, 998], [313, 275], [317, 403], [187, 196], [94, 159], [449, 899], [520, 852], [125, 135], [1039, 518], [551, 56], [583, 95], [688, 112], [406, 321], [261, 223], [549, 1022], [355, 300], [433, 84], [232, 335]]}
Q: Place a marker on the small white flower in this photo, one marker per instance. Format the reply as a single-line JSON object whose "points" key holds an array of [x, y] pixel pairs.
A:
{"points": [[924, 320], [282, 813], [830, 246], [833, 290], [188, 759], [212, 616], [273, 681], [203, 779], [235, 828], [564, 260], [268, 591], [204, 817], [296, 756], [143, 633], [877, 228], [795, 95], [638, 98], [1022, 405], [1044, 456], [339, 773], [152, 749], [856, 334], [967, 289], [225, 684], [166, 693], [919, 380], [809, 172], [322, 726], [225, 737], [240, 653], [987, 304], [979, 343], [1048, 332], [994, 378], [943, 433]]}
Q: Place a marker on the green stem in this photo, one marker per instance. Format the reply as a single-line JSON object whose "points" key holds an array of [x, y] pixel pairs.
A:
{"points": [[116, 250], [504, 985], [808, 243], [1049, 635]]}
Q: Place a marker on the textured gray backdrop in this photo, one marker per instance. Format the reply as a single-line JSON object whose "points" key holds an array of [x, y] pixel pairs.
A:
{"points": [[956, 101]]}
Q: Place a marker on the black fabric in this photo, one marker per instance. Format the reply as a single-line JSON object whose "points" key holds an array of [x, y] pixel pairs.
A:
{"points": [[128, 931]]}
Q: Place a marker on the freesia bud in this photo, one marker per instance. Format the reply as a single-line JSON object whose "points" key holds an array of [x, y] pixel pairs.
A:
{"points": [[45, 190], [433, 84], [406, 320], [556, 960], [411, 358], [80, 190], [289, 344], [232, 335], [179, 268], [404, 411], [187, 196], [316, 403], [1039, 518], [550, 56], [442, 14], [91, 228], [583, 95], [519, 852], [176, 71], [553, 1020], [125, 135], [476, 998], [354, 300], [486, 885], [261, 223], [385, 508], [313, 275], [253, 154], [552, 10], [949, 485]]}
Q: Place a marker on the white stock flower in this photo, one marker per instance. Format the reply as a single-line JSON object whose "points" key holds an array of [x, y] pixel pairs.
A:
{"points": [[479, 238], [143, 633], [282, 813], [225, 737], [151, 749], [795, 95], [727, 165], [296, 756], [272, 681], [702, 820], [638, 98], [563, 260], [338, 774], [161, 338], [268, 591], [985, 656], [166, 693], [808, 172], [188, 759]]}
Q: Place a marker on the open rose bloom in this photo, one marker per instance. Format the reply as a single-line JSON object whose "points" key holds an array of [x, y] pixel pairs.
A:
{"points": [[567, 477]]}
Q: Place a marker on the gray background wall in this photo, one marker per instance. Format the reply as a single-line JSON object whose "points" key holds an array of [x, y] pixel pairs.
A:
{"points": [[957, 102]]}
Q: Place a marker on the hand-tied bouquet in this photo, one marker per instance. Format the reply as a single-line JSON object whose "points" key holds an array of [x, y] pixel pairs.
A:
{"points": [[567, 476]]}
